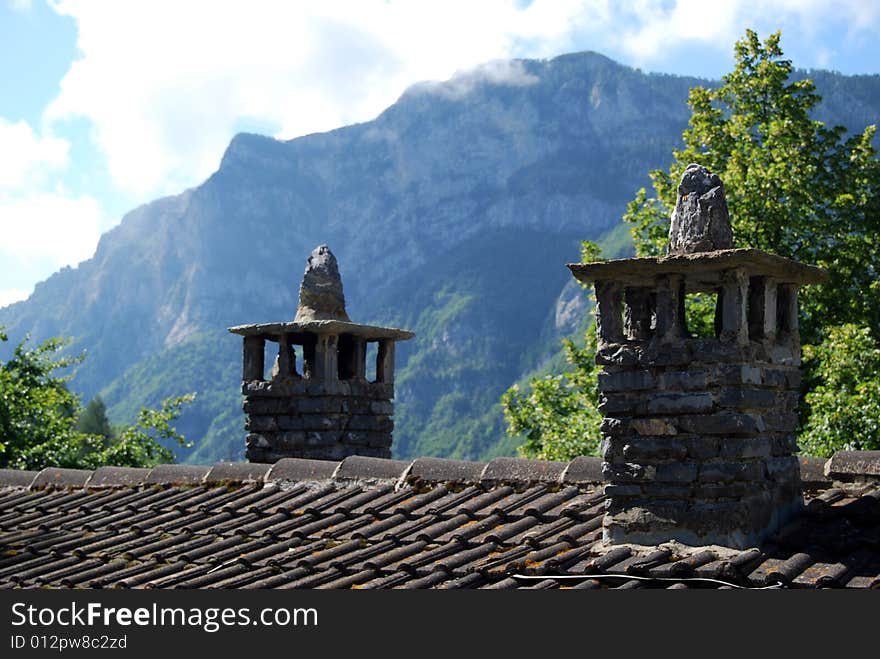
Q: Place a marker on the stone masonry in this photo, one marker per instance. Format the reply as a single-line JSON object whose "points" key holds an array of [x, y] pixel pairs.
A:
{"points": [[699, 433], [330, 410]]}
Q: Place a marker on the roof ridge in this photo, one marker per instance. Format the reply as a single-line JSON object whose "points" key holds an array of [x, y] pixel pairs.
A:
{"points": [[581, 470], [842, 466]]}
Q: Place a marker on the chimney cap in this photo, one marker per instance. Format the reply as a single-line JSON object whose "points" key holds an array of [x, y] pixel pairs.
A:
{"points": [[337, 327], [320, 293], [321, 307], [698, 266]]}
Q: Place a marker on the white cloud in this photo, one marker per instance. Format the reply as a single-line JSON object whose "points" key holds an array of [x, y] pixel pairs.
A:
{"points": [[49, 226], [498, 72], [39, 220], [26, 158], [652, 30], [166, 84], [10, 295]]}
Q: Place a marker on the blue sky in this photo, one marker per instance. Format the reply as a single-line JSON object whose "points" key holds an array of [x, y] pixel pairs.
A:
{"points": [[108, 105]]}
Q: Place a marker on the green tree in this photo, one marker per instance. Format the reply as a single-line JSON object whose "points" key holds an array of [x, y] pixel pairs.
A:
{"points": [[93, 419], [558, 415], [843, 402], [40, 419], [795, 187]]}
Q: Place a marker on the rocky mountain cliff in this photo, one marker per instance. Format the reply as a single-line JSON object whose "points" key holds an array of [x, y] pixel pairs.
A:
{"points": [[452, 213]]}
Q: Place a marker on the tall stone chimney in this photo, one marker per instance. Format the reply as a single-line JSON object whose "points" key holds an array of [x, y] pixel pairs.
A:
{"points": [[329, 410], [699, 432]]}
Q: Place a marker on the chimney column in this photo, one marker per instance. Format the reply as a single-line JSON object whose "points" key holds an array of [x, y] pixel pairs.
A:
{"points": [[699, 433]]}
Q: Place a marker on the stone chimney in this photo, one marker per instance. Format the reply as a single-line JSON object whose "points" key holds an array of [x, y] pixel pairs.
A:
{"points": [[699, 432], [330, 410]]}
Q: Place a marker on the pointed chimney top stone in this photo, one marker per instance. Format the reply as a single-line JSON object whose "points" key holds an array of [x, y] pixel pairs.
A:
{"points": [[700, 221], [320, 294]]}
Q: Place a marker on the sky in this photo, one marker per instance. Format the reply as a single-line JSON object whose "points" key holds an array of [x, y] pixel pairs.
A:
{"points": [[109, 104]]}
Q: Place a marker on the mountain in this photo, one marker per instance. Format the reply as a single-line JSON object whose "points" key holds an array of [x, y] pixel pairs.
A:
{"points": [[452, 213]]}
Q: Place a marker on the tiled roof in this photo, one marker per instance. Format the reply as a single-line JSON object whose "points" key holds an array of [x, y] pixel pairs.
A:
{"points": [[373, 523]]}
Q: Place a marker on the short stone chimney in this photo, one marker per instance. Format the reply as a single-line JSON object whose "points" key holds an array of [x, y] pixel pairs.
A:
{"points": [[330, 410], [699, 432]]}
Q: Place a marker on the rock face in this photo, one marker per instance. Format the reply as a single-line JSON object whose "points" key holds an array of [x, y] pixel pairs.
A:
{"points": [[700, 221], [320, 294]]}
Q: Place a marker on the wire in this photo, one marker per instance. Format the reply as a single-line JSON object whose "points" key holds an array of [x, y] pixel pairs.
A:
{"points": [[775, 586]]}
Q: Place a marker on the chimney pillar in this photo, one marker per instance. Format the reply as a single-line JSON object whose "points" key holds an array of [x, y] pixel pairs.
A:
{"points": [[699, 432], [331, 410]]}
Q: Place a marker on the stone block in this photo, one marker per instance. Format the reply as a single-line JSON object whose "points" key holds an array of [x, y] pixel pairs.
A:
{"points": [[713, 351], [668, 490], [627, 472], [653, 427], [734, 448], [611, 427], [667, 354], [366, 438], [684, 380], [720, 423], [694, 403], [723, 472], [730, 490], [701, 448], [626, 404], [617, 355], [356, 405], [643, 514], [653, 449], [254, 440], [264, 406], [612, 449], [774, 377], [739, 374], [290, 422], [854, 465], [256, 423], [784, 422], [675, 472], [322, 422], [300, 438], [626, 381], [613, 490], [738, 398], [381, 407], [319, 405], [370, 422]]}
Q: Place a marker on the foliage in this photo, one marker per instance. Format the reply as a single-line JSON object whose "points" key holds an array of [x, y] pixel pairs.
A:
{"points": [[139, 445], [844, 400], [558, 415], [209, 363], [795, 188], [793, 185], [42, 423], [93, 419]]}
